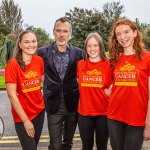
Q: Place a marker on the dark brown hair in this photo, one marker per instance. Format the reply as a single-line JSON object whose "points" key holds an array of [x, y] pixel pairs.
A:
{"points": [[63, 20], [115, 49], [18, 51]]}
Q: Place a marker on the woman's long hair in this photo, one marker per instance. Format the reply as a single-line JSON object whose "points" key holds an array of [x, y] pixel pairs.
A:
{"points": [[98, 38], [18, 51], [115, 49]]}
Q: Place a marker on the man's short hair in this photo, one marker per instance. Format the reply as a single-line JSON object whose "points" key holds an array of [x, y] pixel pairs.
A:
{"points": [[63, 20]]}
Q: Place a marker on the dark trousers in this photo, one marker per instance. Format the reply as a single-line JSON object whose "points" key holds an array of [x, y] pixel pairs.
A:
{"points": [[88, 125], [61, 130], [29, 143], [124, 136]]}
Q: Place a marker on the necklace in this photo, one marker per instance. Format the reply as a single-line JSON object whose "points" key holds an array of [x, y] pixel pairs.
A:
{"points": [[127, 58]]}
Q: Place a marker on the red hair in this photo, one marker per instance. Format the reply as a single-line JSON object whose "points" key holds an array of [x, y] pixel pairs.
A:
{"points": [[115, 49]]}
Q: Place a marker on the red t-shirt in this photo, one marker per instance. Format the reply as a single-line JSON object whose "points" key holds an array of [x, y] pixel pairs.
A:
{"points": [[129, 99], [93, 78], [28, 86]]}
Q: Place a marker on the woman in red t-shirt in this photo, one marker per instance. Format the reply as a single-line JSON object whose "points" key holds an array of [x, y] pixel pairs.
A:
{"points": [[129, 106], [23, 76], [94, 76]]}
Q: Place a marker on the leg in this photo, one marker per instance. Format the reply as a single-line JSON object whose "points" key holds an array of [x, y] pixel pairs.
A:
{"points": [[116, 132], [133, 138], [101, 132], [38, 126], [70, 124], [55, 123], [86, 128], [27, 142]]}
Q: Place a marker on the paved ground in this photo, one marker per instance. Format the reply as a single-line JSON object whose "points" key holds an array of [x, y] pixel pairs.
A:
{"points": [[11, 142], [77, 146]]}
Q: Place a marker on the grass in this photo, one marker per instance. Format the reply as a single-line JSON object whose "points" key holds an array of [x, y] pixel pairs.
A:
{"points": [[2, 82]]}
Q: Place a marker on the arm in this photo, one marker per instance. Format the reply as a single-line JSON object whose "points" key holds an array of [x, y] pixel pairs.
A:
{"points": [[42, 78], [11, 91], [108, 90], [147, 125]]}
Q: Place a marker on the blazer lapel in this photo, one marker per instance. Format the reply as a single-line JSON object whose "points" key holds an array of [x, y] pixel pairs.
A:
{"points": [[71, 59], [50, 54]]}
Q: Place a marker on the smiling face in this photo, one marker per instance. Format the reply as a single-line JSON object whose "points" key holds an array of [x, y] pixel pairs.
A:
{"points": [[93, 49], [62, 33], [125, 36], [28, 44]]}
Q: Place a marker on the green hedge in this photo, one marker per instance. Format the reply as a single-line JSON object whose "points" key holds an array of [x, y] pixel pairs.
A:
{"points": [[2, 82]]}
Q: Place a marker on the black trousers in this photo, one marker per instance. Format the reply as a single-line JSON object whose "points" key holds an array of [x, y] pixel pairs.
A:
{"points": [[90, 125], [124, 136], [29, 143], [61, 130]]}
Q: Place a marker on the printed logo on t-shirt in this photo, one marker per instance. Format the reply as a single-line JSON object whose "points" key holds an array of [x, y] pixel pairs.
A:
{"points": [[92, 78], [126, 76], [31, 82]]}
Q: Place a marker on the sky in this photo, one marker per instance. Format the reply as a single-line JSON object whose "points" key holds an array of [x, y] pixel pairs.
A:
{"points": [[43, 13]]}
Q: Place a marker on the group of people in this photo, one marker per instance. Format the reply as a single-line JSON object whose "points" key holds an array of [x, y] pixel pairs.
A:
{"points": [[107, 97]]}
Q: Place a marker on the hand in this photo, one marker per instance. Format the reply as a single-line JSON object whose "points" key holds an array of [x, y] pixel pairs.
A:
{"points": [[146, 133], [29, 128], [108, 91]]}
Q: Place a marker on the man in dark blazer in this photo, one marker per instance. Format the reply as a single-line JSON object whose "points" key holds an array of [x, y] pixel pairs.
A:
{"points": [[60, 86]]}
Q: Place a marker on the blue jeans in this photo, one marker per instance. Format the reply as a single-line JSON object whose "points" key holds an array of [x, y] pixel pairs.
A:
{"points": [[61, 126], [29, 143], [124, 136], [90, 125]]}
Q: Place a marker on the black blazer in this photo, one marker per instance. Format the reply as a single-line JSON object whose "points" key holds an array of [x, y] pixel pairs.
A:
{"points": [[54, 87]]}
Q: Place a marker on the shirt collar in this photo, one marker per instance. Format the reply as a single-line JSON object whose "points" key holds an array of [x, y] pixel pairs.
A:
{"points": [[67, 49]]}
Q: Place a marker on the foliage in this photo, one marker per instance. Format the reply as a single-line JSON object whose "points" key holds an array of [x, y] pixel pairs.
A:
{"points": [[4, 29], [141, 26], [81, 23], [85, 21], [6, 51], [145, 30], [11, 15], [2, 39], [2, 82], [146, 37], [112, 11], [42, 35], [7, 43]]}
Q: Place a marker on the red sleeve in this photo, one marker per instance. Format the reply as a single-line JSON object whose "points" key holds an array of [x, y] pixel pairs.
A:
{"points": [[110, 75], [149, 66], [80, 67], [42, 67], [11, 72], [78, 70]]}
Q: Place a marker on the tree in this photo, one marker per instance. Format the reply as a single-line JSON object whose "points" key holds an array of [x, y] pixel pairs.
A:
{"points": [[111, 12], [145, 30], [85, 21], [4, 29], [6, 50], [42, 35], [11, 15], [141, 26], [146, 37]]}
